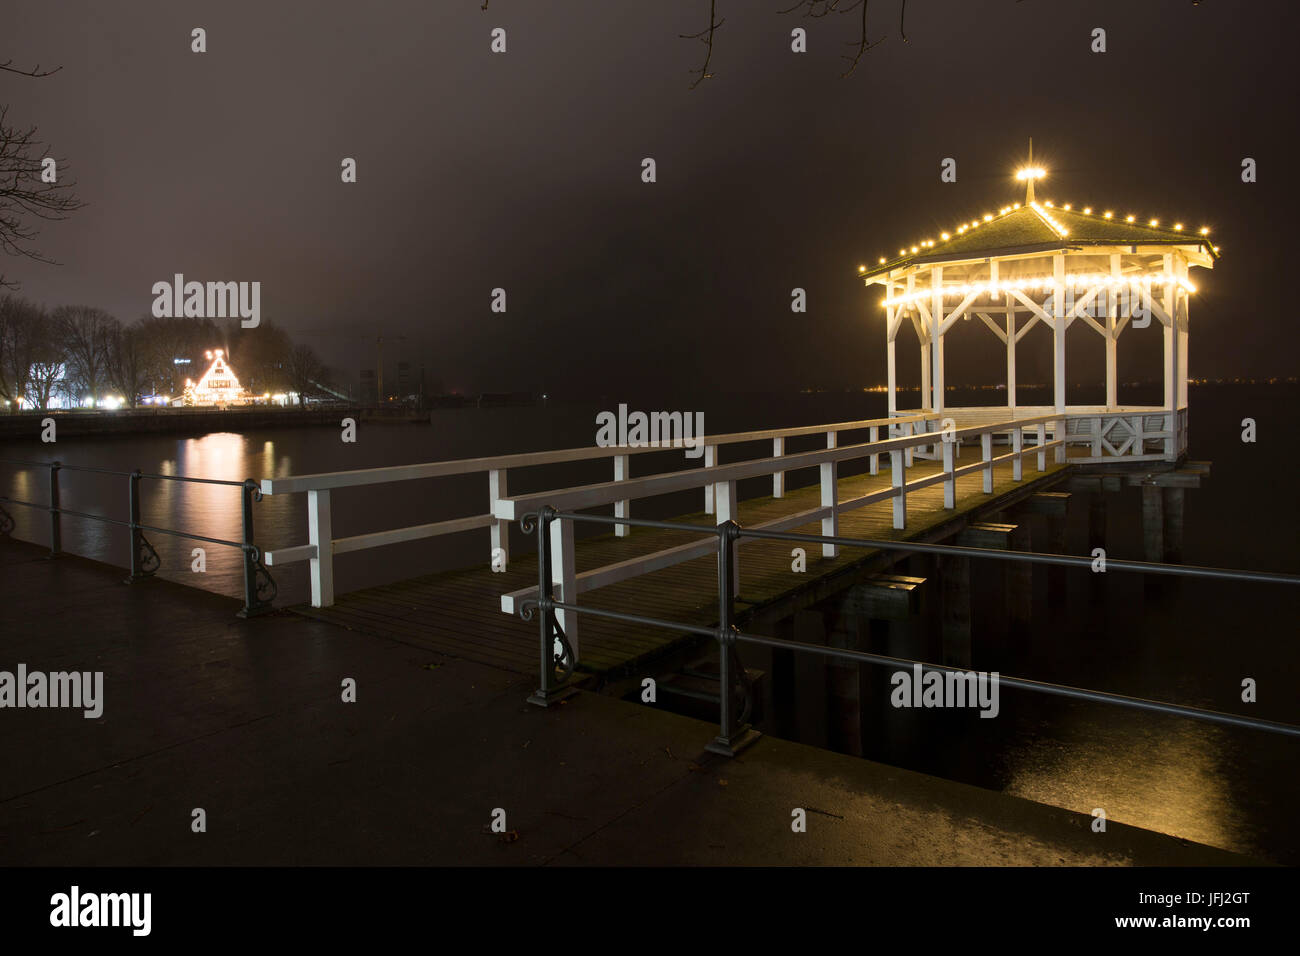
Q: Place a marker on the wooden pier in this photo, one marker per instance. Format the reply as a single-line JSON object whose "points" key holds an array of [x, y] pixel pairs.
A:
{"points": [[459, 612]]}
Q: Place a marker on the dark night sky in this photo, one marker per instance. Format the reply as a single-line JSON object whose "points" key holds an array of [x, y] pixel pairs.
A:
{"points": [[523, 171]]}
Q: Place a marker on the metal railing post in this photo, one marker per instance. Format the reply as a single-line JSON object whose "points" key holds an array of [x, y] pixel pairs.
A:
{"points": [[139, 556], [546, 694], [56, 518], [259, 588], [734, 735]]}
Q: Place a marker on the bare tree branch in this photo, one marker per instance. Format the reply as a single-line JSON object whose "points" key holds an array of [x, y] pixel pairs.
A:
{"points": [[35, 71], [25, 195], [705, 37], [817, 9]]}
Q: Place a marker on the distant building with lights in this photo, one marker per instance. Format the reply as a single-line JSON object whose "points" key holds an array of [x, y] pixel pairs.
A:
{"points": [[218, 387]]}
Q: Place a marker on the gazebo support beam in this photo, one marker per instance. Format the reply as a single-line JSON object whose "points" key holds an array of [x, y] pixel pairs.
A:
{"points": [[1011, 355], [936, 338], [1112, 340]]}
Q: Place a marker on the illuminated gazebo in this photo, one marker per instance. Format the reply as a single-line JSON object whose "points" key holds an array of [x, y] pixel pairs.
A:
{"points": [[1036, 263], [218, 387]]}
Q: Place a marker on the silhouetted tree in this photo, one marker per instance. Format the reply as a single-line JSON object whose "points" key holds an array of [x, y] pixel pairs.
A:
{"points": [[306, 371], [85, 333], [128, 361], [21, 331]]}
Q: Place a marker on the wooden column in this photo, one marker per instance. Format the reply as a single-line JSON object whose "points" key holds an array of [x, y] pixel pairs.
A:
{"points": [[1011, 355], [1171, 363], [936, 338], [1058, 332], [892, 314], [1112, 339]]}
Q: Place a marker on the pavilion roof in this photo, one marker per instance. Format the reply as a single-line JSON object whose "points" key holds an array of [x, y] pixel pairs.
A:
{"points": [[1041, 227]]}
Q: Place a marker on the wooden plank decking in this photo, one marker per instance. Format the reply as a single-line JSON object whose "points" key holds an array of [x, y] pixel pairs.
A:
{"points": [[458, 612]]}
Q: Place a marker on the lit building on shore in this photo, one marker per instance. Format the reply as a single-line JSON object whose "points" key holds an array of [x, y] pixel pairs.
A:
{"points": [[218, 387]]}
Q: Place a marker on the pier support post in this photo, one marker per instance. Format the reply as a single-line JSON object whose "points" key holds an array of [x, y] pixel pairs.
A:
{"points": [[1174, 499], [1153, 523], [999, 536], [784, 711], [1096, 520], [1020, 582], [844, 685], [954, 581]]}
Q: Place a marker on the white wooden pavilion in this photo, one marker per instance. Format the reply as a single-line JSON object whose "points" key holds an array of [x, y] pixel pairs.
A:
{"points": [[1041, 263]]}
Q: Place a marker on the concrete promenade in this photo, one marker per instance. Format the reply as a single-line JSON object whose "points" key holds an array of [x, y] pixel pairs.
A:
{"points": [[244, 719]]}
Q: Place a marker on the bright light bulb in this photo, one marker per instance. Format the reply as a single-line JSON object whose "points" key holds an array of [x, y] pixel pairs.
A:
{"points": [[1178, 227], [1108, 214], [882, 260], [862, 268], [943, 235], [1130, 218], [1087, 210], [1205, 230], [1153, 223], [1066, 207]]}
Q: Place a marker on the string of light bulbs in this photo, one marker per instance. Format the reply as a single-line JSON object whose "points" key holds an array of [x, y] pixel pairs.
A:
{"points": [[1041, 210], [1074, 281]]}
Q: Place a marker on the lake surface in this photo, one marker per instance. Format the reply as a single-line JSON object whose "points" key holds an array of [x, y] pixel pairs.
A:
{"points": [[1191, 642]]}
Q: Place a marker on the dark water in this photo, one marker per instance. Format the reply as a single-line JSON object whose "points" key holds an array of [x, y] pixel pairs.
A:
{"points": [[1191, 642]]}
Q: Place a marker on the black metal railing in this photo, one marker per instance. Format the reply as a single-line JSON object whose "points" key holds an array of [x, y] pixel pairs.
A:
{"points": [[259, 587], [558, 660]]}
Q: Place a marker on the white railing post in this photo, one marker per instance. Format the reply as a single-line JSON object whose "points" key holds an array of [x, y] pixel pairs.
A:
{"points": [[898, 480], [563, 575], [986, 449], [320, 533], [908, 429], [1096, 437], [1061, 430], [950, 482], [830, 499], [778, 477], [1041, 441], [621, 508], [1138, 422], [875, 459], [500, 529], [710, 459], [1017, 446], [728, 511], [832, 439]]}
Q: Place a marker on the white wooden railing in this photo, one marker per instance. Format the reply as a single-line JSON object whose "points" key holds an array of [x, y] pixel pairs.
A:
{"points": [[1096, 436], [726, 477], [322, 546]]}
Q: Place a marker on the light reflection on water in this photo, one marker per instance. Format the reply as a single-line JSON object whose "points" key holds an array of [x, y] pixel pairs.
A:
{"points": [[1189, 643]]}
